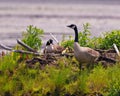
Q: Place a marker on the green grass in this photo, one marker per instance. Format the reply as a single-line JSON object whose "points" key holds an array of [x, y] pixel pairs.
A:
{"points": [[65, 78]]}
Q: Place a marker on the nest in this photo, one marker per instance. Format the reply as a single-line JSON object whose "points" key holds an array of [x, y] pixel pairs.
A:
{"points": [[52, 58]]}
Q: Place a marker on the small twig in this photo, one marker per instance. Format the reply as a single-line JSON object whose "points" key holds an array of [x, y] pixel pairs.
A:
{"points": [[107, 59], [116, 49], [26, 52], [54, 38], [106, 51], [26, 46], [5, 47]]}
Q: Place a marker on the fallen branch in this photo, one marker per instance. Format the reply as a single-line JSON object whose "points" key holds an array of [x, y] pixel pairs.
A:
{"points": [[105, 51], [5, 47], [26, 46], [26, 52], [18, 51]]}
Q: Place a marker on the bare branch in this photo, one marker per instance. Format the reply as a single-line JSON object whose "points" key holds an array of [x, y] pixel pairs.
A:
{"points": [[26, 46], [26, 52], [18, 51], [5, 47], [116, 49], [54, 38]]}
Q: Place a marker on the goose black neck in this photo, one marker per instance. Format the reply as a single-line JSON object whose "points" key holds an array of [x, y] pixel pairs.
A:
{"points": [[76, 34]]}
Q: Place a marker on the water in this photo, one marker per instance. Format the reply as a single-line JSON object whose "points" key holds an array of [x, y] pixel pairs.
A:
{"points": [[54, 16]]}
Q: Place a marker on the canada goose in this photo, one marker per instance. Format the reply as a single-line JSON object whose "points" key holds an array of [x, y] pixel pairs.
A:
{"points": [[49, 47], [52, 48], [85, 54]]}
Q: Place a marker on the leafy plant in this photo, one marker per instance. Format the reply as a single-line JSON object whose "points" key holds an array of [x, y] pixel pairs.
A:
{"points": [[67, 43], [84, 35], [109, 38], [32, 37]]}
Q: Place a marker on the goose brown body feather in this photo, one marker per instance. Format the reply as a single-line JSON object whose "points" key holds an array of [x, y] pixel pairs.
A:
{"points": [[58, 49], [85, 54]]}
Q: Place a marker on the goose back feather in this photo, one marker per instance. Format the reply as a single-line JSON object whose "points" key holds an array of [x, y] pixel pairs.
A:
{"points": [[85, 54]]}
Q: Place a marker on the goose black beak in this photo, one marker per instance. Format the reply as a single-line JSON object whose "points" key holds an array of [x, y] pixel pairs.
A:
{"points": [[68, 25]]}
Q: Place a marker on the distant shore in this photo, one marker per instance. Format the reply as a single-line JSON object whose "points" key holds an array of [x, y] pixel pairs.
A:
{"points": [[104, 2]]}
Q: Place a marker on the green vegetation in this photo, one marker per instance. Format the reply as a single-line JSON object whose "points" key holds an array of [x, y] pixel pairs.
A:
{"points": [[32, 37], [110, 38], [64, 78], [57, 81]]}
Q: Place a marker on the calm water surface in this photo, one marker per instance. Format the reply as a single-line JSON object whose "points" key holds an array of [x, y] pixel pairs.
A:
{"points": [[54, 16]]}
